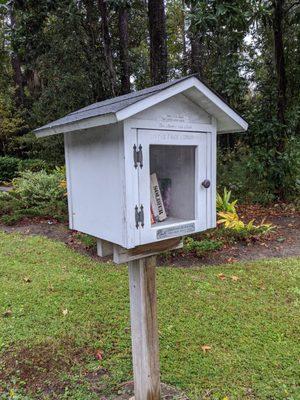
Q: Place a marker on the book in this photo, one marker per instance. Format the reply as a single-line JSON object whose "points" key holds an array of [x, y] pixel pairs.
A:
{"points": [[157, 203], [152, 216], [165, 188]]}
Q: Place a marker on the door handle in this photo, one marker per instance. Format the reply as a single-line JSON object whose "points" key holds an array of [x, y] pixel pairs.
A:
{"points": [[206, 183]]}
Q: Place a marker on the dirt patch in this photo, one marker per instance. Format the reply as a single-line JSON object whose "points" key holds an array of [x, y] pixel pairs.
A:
{"points": [[47, 370], [52, 229], [283, 242], [126, 392], [41, 368], [38, 226], [38, 368]]}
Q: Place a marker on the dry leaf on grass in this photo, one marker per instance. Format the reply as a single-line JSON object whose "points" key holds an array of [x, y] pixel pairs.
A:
{"points": [[99, 355], [65, 312], [205, 348], [7, 313], [235, 278], [27, 279], [231, 260], [221, 276]]}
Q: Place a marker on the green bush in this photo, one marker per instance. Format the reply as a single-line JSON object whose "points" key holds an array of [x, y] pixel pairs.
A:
{"points": [[35, 194], [33, 165], [251, 174], [201, 247], [88, 241], [223, 202], [8, 168]]}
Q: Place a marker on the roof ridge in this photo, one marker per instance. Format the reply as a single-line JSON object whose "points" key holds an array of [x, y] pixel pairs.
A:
{"points": [[137, 93], [100, 103]]}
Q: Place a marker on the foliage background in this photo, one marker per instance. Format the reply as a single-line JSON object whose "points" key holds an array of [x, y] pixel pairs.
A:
{"points": [[56, 57]]}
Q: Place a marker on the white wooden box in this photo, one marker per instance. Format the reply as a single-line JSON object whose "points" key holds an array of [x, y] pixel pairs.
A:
{"points": [[113, 147], [106, 188]]}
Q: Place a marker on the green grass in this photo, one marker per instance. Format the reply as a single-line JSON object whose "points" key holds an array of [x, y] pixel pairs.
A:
{"points": [[252, 325]]}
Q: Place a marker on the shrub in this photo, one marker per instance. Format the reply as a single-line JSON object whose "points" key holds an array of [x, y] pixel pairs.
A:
{"points": [[232, 221], [8, 168], [224, 203], [33, 165], [88, 241], [252, 172], [201, 247], [35, 194]]}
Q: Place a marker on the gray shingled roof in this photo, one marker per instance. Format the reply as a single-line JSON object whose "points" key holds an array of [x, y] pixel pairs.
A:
{"points": [[109, 106]]}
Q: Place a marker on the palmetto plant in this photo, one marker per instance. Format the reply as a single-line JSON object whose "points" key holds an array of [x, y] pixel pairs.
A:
{"points": [[228, 216], [224, 204]]}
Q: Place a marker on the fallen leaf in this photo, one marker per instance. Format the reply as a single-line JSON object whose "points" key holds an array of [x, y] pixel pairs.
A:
{"points": [[65, 312], [7, 313], [99, 355], [205, 348], [234, 278], [27, 279], [281, 239], [221, 276], [231, 260]]}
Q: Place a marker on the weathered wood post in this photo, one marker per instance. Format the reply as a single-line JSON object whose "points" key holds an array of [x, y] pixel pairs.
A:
{"points": [[144, 328]]}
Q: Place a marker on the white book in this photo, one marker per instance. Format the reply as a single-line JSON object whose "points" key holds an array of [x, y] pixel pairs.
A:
{"points": [[153, 202], [157, 200]]}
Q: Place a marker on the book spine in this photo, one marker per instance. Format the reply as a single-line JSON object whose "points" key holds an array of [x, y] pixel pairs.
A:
{"points": [[154, 208], [152, 216], [156, 200]]}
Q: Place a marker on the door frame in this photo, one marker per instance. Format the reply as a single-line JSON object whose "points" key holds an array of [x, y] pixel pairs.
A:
{"points": [[201, 140]]}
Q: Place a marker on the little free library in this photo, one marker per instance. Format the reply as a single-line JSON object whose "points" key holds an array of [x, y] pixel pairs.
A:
{"points": [[141, 174]]}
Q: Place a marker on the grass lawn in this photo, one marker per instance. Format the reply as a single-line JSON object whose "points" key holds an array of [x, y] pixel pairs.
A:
{"points": [[64, 326]]}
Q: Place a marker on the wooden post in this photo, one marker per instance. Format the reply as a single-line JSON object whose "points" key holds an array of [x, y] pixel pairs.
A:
{"points": [[144, 331]]}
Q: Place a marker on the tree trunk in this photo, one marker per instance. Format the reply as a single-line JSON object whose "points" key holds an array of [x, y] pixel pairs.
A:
{"points": [[195, 39], [102, 4], [91, 44], [279, 59], [281, 91], [16, 64], [158, 41], [184, 51], [124, 53]]}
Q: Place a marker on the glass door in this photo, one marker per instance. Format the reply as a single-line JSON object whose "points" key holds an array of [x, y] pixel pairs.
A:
{"points": [[170, 190]]}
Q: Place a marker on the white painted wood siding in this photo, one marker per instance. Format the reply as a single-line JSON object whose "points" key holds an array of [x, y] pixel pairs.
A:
{"points": [[95, 170]]}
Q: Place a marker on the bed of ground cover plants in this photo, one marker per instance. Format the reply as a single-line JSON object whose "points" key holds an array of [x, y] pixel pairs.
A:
{"points": [[226, 332]]}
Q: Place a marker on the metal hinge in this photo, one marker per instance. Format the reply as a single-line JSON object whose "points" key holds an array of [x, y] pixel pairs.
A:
{"points": [[139, 217], [138, 156]]}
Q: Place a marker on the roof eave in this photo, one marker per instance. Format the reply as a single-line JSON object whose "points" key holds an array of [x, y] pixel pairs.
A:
{"points": [[237, 130], [77, 125]]}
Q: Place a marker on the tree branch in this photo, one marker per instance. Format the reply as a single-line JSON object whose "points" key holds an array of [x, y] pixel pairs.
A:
{"points": [[297, 3]]}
